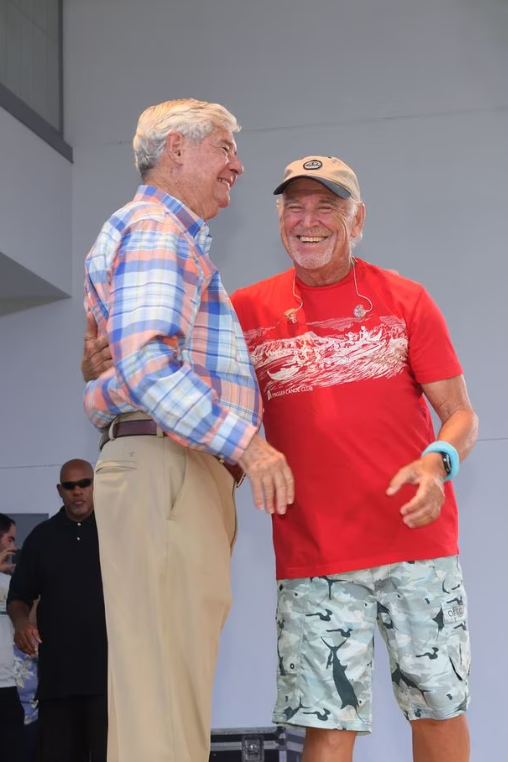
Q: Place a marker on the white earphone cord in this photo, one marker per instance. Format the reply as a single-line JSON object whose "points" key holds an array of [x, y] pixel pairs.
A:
{"points": [[359, 311]]}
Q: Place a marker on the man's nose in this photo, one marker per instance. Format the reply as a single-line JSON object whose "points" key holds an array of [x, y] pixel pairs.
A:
{"points": [[308, 218], [237, 166]]}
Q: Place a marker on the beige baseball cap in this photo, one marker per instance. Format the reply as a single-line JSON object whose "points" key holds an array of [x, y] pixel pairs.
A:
{"points": [[327, 170]]}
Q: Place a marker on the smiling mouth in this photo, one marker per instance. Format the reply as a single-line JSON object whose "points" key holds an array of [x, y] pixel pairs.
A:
{"points": [[226, 182], [311, 238]]}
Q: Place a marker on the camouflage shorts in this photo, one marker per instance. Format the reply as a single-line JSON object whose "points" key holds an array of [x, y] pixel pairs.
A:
{"points": [[325, 644]]}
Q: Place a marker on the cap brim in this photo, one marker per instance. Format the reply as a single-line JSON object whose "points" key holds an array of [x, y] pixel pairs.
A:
{"points": [[339, 190]]}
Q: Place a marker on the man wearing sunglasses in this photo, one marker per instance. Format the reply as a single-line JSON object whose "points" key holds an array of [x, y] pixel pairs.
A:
{"points": [[59, 563]]}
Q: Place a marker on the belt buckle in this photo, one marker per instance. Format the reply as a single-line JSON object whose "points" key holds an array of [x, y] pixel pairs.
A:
{"points": [[111, 430], [108, 434]]}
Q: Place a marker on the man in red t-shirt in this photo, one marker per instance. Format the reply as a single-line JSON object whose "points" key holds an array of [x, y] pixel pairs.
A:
{"points": [[345, 353]]}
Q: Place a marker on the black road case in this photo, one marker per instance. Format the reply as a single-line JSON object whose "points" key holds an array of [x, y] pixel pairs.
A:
{"points": [[257, 745]]}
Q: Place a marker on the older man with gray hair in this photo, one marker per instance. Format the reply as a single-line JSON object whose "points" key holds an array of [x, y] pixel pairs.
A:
{"points": [[179, 411]]}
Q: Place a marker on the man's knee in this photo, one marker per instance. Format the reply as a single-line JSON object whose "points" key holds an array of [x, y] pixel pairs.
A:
{"points": [[333, 741], [433, 727]]}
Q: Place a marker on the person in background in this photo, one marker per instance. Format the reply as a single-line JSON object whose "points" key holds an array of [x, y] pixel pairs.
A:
{"points": [[11, 710], [59, 564]]}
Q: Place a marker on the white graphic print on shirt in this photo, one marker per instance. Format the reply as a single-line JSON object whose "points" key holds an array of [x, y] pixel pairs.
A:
{"points": [[335, 355]]}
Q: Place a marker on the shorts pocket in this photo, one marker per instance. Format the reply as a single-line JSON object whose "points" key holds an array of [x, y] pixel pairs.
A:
{"points": [[454, 616], [290, 620], [457, 634]]}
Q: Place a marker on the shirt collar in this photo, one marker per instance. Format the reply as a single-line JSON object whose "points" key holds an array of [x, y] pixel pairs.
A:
{"points": [[70, 522], [193, 224]]}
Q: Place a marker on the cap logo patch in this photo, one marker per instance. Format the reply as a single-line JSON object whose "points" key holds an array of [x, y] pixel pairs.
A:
{"points": [[314, 164]]}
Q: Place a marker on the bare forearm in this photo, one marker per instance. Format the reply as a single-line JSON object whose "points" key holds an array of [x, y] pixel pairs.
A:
{"points": [[461, 431], [459, 422], [18, 612]]}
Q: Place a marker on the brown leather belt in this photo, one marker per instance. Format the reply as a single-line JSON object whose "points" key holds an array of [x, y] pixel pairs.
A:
{"points": [[145, 427]]}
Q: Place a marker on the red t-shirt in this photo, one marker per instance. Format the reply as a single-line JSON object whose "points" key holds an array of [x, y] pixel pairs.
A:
{"points": [[343, 401]]}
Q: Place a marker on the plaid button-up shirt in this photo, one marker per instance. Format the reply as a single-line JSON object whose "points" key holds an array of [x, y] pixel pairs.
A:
{"points": [[178, 350]]}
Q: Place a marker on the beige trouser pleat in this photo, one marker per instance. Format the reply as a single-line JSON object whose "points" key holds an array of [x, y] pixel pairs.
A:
{"points": [[167, 522]]}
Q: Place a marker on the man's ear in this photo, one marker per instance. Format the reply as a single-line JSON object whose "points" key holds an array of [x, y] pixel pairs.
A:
{"points": [[174, 146], [359, 220]]}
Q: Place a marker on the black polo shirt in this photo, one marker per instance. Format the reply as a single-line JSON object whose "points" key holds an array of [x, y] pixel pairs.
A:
{"points": [[59, 562]]}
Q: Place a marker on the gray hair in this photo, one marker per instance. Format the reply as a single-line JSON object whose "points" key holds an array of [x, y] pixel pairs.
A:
{"points": [[193, 119]]}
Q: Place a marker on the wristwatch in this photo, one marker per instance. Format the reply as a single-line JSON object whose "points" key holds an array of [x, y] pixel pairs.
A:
{"points": [[447, 463], [449, 456]]}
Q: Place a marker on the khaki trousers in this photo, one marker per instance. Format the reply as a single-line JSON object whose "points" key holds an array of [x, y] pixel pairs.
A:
{"points": [[167, 523]]}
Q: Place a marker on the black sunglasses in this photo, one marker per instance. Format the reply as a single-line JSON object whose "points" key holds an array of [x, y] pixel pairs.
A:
{"points": [[81, 483]]}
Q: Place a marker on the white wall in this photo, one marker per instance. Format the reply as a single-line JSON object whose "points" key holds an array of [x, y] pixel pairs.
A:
{"points": [[39, 382], [35, 204], [414, 96]]}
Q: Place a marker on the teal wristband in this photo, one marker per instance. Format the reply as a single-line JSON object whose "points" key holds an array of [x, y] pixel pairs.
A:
{"points": [[448, 449]]}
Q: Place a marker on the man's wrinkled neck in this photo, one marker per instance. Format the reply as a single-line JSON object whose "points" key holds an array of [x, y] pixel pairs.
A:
{"points": [[325, 276]]}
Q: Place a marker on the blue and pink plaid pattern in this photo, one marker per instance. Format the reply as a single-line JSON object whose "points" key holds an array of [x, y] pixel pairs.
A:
{"points": [[178, 350]]}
